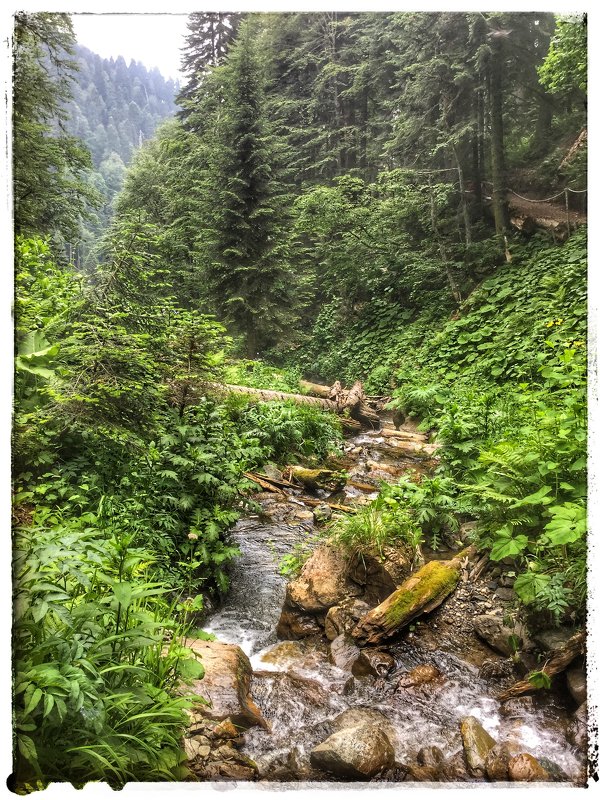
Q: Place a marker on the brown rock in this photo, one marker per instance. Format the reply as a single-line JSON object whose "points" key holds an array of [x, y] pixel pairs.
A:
{"points": [[362, 715], [477, 743], [337, 621], [195, 749], [236, 772], [517, 707], [526, 768], [576, 683], [226, 730], [343, 652], [293, 624], [373, 661], [226, 684], [430, 756], [322, 583], [354, 753], [424, 673], [496, 762]]}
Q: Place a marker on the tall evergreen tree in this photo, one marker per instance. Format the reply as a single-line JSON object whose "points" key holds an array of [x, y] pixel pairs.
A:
{"points": [[50, 193], [247, 270]]}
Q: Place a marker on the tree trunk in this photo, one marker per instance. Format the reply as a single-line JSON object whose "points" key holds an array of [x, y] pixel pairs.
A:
{"points": [[496, 100]]}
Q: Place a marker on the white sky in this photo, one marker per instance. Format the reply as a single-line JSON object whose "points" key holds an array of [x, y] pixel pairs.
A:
{"points": [[154, 39]]}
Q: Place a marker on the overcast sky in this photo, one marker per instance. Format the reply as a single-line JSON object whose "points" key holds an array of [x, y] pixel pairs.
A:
{"points": [[154, 39]]}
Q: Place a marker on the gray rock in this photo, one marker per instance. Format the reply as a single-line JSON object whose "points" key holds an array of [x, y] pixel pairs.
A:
{"points": [[506, 594], [363, 715], [477, 743], [355, 753], [576, 683], [343, 652], [556, 773], [501, 637], [553, 638]]}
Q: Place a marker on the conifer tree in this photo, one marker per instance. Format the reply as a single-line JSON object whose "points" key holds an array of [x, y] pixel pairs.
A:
{"points": [[246, 263]]}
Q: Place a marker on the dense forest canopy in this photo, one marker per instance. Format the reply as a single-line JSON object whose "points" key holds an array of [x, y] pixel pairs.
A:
{"points": [[334, 196]]}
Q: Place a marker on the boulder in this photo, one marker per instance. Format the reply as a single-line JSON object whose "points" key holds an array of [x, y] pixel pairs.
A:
{"points": [[343, 652], [553, 638], [477, 743], [500, 637], [517, 707], [293, 624], [373, 661], [381, 572], [419, 594], [363, 715], [526, 768], [226, 684], [496, 762], [424, 673], [555, 772], [576, 683], [356, 753], [430, 756], [322, 583]]}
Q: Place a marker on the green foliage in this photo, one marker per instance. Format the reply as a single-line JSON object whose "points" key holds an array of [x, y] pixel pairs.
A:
{"points": [[386, 522], [260, 375], [98, 658], [564, 69]]}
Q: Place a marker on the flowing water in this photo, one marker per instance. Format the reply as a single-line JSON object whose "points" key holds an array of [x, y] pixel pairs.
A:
{"points": [[300, 693]]}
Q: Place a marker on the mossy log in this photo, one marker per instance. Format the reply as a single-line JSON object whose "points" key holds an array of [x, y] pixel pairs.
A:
{"points": [[419, 594], [317, 478], [558, 661], [316, 389]]}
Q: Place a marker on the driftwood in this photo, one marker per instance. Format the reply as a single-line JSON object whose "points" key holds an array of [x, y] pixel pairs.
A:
{"points": [[558, 661], [267, 485], [271, 486]]}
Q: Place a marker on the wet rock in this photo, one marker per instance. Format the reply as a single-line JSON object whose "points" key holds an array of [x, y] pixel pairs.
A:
{"points": [[337, 621], [500, 637], [517, 707], [354, 753], [293, 624], [493, 669], [362, 715], [576, 733], [271, 471], [322, 514], [496, 762], [343, 652], [373, 662], [226, 684], [380, 573], [576, 683], [424, 673], [555, 772], [430, 756], [282, 654], [526, 768], [477, 743]]}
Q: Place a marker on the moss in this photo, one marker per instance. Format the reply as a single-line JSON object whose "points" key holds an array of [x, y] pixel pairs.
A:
{"points": [[434, 580]]}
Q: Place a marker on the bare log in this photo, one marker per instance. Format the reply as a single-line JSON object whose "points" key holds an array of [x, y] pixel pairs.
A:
{"points": [[316, 389], [558, 661]]}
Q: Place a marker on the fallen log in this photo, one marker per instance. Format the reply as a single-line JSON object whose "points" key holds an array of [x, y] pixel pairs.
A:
{"points": [[317, 478], [316, 389], [267, 485], [419, 594], [558, 661], [350, 405]]}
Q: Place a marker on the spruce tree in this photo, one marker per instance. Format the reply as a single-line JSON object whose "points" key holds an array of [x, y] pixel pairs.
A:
{"points": [[246, 263]]}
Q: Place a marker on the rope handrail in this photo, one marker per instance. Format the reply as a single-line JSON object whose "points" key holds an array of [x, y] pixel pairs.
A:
{"points": [[545, 199]]}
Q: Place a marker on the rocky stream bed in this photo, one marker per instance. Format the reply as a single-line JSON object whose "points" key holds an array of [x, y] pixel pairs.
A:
{"points": [[295, 698]]}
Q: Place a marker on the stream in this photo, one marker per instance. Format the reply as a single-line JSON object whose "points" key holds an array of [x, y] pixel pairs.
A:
{"points": [[300, 693]]}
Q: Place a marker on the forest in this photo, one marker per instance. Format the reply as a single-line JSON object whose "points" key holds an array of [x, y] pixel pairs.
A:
{"points": [[299, 426]]}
